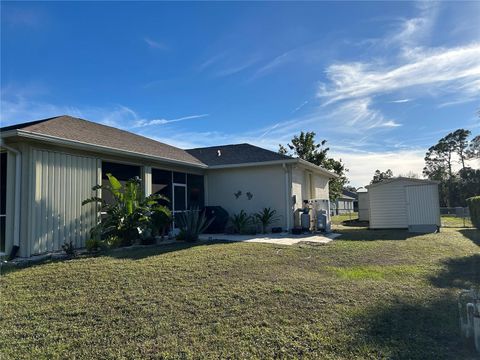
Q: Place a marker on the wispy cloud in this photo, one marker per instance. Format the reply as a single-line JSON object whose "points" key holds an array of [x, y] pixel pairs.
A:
{"points": [[153, 44], [225, 64], [401, 101], [142, 122], [456, 70]]}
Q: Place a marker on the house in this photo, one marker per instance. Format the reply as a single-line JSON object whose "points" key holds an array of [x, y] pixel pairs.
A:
{"points": [[404, 203], [343, 205], [363, 205], [354, 196], [49, 167]]}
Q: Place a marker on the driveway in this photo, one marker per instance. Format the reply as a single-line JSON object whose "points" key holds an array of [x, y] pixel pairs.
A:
{"points": [[280, 239]]}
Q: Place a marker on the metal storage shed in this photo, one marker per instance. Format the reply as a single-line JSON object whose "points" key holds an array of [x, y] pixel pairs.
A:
{"points": [[404, 203], [363, 205]]}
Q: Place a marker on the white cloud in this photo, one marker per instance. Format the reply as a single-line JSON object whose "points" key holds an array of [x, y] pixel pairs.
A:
{"points": [[400, 101], [142, 122], [454, 70], [363, 165], [153, 44]]}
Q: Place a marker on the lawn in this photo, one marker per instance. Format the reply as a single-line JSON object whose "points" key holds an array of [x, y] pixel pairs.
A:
{"points": [[391, 296]]}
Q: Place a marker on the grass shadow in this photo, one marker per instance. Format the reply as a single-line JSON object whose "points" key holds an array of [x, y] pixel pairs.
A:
{"points": [[413, 330], [364, 234], [460, 273], [472, 234]]}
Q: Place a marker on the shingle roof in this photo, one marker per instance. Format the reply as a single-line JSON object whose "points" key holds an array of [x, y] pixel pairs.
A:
{"points": [[235, 154], [79, 130]]}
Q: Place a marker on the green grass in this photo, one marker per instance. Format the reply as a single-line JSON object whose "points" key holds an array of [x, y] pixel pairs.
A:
{"points": [[338, 219], [455, 222], [391, 297]]}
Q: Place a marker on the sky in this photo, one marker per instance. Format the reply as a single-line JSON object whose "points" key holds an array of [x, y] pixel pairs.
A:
{"points": [[380, 81]]}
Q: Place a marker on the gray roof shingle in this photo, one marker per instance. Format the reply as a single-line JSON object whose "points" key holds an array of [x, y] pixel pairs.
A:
{"points": [[79, 130], [235, 154]]}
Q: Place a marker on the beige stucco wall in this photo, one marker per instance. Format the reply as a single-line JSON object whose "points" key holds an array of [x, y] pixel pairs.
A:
{"points": [[308, 185], [266, 183]]}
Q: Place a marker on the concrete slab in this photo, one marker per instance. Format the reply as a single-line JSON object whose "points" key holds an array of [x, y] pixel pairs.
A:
{"points": [[279, 239]]}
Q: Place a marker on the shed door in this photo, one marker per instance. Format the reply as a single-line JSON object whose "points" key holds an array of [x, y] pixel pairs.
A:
{"points": [[423, 207]]}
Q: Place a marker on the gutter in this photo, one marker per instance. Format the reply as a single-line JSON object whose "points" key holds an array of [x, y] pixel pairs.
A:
{"points": [[18, 182]]}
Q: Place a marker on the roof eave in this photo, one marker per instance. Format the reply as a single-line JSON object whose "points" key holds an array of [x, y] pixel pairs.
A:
{"points": [[100, 148], [317, 168]]}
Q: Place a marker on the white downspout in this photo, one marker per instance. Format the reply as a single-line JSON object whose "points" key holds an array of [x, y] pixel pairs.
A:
{"points": [[18, 183], [287, 197]]}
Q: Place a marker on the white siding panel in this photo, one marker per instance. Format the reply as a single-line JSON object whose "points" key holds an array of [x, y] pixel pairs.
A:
{"points": [[423, 205], [363, 206], [62, 182], [388, 206]]}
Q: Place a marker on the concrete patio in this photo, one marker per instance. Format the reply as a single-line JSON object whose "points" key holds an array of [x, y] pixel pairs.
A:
{"points": [[280, 239]]}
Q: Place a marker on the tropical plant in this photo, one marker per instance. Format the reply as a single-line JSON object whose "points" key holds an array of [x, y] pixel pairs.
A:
{"points": [[160, 219], [192, 223], [266, 217], [69, 249], [241, 221], [130, 212]]}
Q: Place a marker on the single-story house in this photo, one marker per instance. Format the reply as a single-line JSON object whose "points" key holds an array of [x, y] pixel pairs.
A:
{"points": [[404, 203], [49, 167], [345, 203], [354, 195]]}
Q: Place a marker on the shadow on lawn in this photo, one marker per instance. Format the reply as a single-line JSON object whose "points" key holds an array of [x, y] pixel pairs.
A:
{"points": [[364, 234], [154, 250], [472, 234], [461, 273], [418, 330]]}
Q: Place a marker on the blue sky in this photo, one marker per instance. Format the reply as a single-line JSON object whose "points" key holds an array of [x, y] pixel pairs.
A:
{"points": [[381, 81]]}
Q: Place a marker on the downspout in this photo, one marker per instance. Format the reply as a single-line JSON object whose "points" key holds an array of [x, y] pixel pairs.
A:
{"points": [[18, 174], [287, 197]]}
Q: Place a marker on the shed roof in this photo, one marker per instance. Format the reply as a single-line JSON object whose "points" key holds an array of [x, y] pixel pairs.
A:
{"points": [[402, 178]]}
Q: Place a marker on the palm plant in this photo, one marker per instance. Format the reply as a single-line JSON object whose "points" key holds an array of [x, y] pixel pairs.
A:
{"points": [[241, 221], [129, 213], [192, 223], [266, 217]]}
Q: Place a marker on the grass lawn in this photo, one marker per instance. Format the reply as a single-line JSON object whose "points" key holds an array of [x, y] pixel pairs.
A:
{"points": [[455, 222], [392, 296]]}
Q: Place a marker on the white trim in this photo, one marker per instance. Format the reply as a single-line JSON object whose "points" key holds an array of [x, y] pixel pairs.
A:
{"points": [[94, 147]]}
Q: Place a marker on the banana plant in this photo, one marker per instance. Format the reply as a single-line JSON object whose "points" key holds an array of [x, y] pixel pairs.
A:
{"points": [[129, 214]]}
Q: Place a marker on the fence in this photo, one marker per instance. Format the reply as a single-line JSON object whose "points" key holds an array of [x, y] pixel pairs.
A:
{"points": [[455, 217]]}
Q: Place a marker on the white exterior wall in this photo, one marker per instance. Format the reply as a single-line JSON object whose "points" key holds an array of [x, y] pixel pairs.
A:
{"points": [[388, 207], [423, 205], [58, 185], [266, 183], [391, 207], [363, 206], [321, 187]]}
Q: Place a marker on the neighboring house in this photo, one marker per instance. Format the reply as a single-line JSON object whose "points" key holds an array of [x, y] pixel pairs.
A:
{"points": [[404, 203], [49, 167], [343, 205], [354, 196]]}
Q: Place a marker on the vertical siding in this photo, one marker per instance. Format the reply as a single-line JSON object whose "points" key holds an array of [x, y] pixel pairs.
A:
{"points": [[61, 182], [423, 206], [363, 206], [388, 206]]}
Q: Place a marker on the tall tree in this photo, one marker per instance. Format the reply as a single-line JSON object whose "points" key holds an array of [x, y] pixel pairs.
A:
{"points": [[305, 147], [459, 141], [381, 175], [473, 151]]}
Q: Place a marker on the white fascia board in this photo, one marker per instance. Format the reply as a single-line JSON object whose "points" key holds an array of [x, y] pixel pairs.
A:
{"points": [[101, 148], [250, 164], [318, 169]]}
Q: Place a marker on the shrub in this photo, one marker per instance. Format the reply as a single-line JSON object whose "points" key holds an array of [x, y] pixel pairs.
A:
{"points": [[129, 212], [474, 206], [95, 244], [192, 223], [241, 221], [266, 217], [69, 248]]}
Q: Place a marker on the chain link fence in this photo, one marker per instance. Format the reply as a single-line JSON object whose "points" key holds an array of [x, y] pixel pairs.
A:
{"points": [[455, 217]]}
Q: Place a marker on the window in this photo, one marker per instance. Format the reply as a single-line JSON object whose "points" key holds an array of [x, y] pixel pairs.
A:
{"points": [[195, 191], [122, 172], [179, 178], [162, 184]]}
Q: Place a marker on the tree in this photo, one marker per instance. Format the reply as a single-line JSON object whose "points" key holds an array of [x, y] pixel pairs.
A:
{"points": [[305, 147], [473, 151], [380, 176], [459, 142]]}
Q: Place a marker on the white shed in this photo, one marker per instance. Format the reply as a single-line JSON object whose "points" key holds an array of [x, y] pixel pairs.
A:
{"points": [[363, 205], [404, 203]]}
